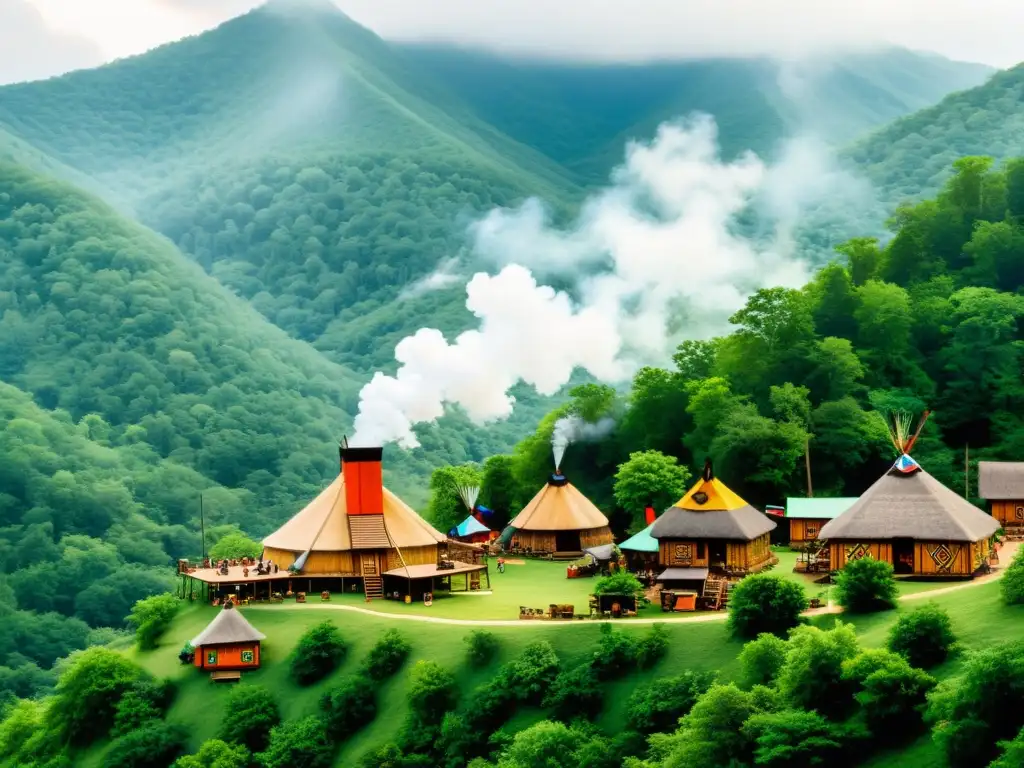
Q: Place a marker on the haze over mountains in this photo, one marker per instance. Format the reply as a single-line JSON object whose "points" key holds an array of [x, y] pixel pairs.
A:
{"points": [[328, 179]]}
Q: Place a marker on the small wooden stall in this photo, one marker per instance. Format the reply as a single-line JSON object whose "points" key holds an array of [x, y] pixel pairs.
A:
{"points": [[228, 645], [1001, 485], [417, 581], [641, 552], [681, 588]]}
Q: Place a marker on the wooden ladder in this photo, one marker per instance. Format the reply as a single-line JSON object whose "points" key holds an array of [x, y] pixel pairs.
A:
{"points": [[715, 590], [373, 584]]}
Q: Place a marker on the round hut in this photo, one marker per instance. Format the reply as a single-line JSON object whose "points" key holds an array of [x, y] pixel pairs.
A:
{"points": [[910, 519], [229, 643], [559, 521]]}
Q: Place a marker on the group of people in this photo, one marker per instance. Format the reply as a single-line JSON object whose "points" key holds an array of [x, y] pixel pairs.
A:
{"points": [[262, 568]]}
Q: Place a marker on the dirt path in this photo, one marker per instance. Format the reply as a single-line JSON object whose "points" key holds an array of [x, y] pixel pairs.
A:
{"points": [[1005, 556]]}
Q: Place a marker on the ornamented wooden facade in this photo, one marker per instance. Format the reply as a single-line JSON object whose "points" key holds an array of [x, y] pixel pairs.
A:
{"points": [[1001, 485], [807, 517], [559, 519]]}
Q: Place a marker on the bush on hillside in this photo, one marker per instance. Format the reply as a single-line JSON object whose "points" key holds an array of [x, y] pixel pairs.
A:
{"points": [[656, 708], [924, 637], [1012, 584], [215, 753], [529, 676], [795, 738], [812, 675], [387, 655], [652, 647], [712, 732], [765, 603], [249, 715], [618, 583], [349, 706], [21, 721], [431, 693], [761, 659], [302, 742], [481, 647], [151, 617], [154, 745], [1013, 753], [575, 693], [145, 701], [319, 651], [866, 585], [981, 707], [893, 700], [616, 653]]}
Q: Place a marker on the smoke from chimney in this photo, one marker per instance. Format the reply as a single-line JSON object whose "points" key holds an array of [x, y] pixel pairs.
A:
{"points": [[573, 429]]}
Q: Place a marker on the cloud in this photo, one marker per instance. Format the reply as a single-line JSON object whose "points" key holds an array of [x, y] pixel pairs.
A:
{"points": [[445, 275], [31, 49], [654, 258]]}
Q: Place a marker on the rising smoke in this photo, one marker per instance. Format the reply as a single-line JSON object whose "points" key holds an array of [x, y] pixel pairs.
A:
{"points": [[654, 258], [573, 429]]}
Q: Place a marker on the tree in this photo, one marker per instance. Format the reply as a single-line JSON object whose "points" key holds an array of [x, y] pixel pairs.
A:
{"points": [[649, 478], [575, 693], [765, 603], [924, 637], [349, 706], [302, 742], [432, 692], [318, 652], [151, 617], [546, 744], [812, 676], [386, 656], [531, 673], [893, 700], [761, 659], [481, 646], [250, 713], [215, 753], [1011, 586], [657, 707], [88, 692], [863, 257], [712, 733], [793, 738], [235, 546], [866, 585], [618, 583], [1013, 753], [446, 509], [498, 489], [154, 745]]}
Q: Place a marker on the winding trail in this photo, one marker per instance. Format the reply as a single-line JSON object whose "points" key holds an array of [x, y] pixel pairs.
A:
{"points": [[1005, 556]]}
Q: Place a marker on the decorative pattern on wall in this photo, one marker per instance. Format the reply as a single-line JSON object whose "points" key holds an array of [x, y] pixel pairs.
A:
{"points": [[1018, 512], [683, 553], [857, 551], [944, 556]]}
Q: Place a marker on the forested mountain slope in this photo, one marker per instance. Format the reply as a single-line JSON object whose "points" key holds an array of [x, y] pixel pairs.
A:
{"points": [[582, 115], [911, 157]]}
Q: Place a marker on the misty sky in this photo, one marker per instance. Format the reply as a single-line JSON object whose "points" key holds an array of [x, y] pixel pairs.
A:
{"points": [[43, 37]]}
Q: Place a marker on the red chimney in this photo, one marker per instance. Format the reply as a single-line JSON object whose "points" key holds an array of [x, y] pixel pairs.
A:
{"points": [[649, 515], [364, 480]]}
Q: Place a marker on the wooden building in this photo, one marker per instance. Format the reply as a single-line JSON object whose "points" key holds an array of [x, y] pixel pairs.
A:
{"points": [[714, 529], [910, 519], [559, 520], [807, 517], [354, 529], [1001, 485], [229, 642]]}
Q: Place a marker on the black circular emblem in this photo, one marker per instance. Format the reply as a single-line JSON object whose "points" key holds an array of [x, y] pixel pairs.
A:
{"points": [[700, 497]]}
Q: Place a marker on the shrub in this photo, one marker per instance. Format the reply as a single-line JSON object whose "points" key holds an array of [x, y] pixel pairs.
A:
{"points": [[794, 738], [215, 753], [154, 745], [235, 546], [893, 700], [302, 742], [616, 653], [432, 692], [318, 652], [151, 617], [387, 655], [765, 603], [651, 648], [145, 701], [618, 583], [812, 675], [712, 733], [1013, 753], [349, 706], [761, 659], [924, 637], [575, 693], [482, 646], [1012, 584], [866, 585], [656, 708], [249, 715], [530, 675]]}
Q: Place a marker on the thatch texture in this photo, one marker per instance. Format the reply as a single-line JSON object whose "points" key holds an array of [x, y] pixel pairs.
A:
{"points": [[1001, 480], [559, 507], [710, 510], [228, 627]]}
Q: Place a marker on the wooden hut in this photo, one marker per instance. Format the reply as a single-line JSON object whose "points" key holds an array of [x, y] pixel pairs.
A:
{"points": [[471, 531], [807, 517], [910, 519], [1001, 485], [229, 642], [713, 529], [641, 551], [559, 520]]}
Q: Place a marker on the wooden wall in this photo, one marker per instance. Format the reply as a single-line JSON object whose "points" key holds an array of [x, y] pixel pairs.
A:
{"points": [[931, 558], [802, 531], [412, 556], [349, 563], [228, 656], [841, 551], [681, 553], [595, 537], [739, 555], [1009, 513], [544, 541]]}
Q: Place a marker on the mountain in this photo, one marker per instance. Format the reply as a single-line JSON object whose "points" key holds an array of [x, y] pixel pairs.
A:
{"points": [[588, 112], [912, 157]]}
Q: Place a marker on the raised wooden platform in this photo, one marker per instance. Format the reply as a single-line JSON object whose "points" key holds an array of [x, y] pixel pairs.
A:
{"points": [[226, 676]]}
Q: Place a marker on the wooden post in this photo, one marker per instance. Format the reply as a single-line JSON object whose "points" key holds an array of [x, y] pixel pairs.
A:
{"points": [[967, 472], [807, 463], [202, 529]]}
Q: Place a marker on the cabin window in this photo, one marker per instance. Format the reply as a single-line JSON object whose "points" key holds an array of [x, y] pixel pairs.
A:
{"points": [[211, 658], [248, 657], [684, 553]]}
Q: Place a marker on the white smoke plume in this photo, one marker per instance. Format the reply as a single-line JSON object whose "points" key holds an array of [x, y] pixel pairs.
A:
{"points": [[654, 258], [573, 429]]}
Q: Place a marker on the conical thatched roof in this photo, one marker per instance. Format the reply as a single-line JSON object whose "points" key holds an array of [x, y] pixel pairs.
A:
{"points": [[559, 506], [228, 626], [907, 502], [710, 510], [327, 512]]}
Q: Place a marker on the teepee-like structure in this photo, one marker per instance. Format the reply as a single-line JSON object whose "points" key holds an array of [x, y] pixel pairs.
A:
{"points": [[471, 530], [560, 519], [713, 529], [910, 519]]}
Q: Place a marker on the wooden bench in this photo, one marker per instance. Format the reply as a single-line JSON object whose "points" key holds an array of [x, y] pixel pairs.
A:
{"points": [[226, 676]]}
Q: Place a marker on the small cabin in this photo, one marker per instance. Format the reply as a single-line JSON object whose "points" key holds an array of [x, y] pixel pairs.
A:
{"points": [[1001, 485], [808, 516], [229, 642]]}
